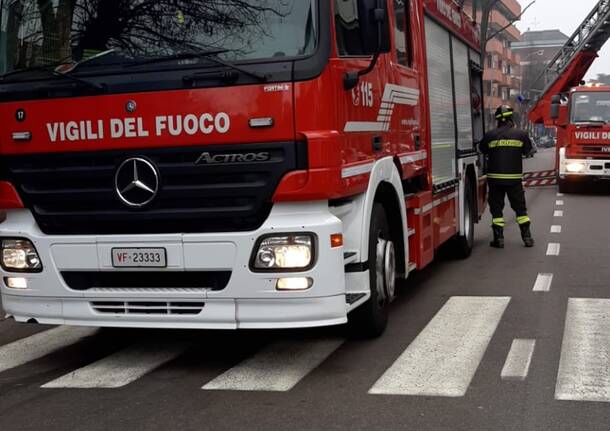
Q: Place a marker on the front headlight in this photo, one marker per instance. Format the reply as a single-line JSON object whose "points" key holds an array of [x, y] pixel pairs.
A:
{"points": [[575, 167], [284, 252], [19, 255]]}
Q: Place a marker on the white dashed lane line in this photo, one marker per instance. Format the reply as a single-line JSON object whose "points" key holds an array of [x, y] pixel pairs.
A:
{"points": [[558, 213], [518, 361], [543, 283], [559, 203], [553, 249], [556, 229]]}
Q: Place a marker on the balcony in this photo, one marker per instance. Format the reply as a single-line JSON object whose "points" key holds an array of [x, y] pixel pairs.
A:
{"points": [[496, 76], [499, 21], [496, 47], [513, 7]]}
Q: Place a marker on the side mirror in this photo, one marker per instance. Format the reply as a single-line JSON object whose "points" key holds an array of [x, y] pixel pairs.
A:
{"points": [[374, 26], [555, 105], [375, 36]]}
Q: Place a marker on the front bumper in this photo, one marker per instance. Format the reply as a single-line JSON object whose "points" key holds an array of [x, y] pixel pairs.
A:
{"points": [[590, 167], [249, 300]]}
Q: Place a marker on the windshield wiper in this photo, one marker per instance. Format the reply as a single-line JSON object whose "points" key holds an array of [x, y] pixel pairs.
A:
{"points": [[65, 68], [51, 71], [591, 123], [207, 55]]}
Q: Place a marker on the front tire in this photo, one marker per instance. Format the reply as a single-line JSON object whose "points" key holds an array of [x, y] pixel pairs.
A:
{"points": [[371, 319], [565, 186]]}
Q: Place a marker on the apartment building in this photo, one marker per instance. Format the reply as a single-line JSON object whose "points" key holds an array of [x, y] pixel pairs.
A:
{"points": [[536, 49], [502, 69]]}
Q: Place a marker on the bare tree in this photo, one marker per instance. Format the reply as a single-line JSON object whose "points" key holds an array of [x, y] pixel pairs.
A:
{"points": [[52, 31]]}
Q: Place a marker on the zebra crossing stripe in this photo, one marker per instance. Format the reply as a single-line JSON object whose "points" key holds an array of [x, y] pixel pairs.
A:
{"points": [[119, 369], [34, 347], [584, 367], [444, 357], [277, 367]]}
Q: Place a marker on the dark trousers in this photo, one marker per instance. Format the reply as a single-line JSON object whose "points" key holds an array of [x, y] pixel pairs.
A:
{"points": [[498, 190]]}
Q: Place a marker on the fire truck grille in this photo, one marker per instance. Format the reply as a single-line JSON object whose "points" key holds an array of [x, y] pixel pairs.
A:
{"points": [[154, 308], [598, 149], [201, 189]]}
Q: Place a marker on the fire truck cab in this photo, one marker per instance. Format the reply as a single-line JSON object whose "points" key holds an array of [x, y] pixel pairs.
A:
{"points": [[224, 165], [583, 128]]}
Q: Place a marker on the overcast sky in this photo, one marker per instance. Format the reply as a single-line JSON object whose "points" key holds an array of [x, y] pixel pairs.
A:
{"points": [[564, 15]]}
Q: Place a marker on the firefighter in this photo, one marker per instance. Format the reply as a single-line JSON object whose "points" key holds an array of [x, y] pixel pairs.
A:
{"points": [[505, 148]]}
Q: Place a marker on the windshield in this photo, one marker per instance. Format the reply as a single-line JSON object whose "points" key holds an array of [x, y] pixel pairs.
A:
{"points": [[591, 107], [37, 33]]}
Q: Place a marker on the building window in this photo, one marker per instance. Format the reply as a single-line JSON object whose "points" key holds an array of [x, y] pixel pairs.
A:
{"points": [[402, 32], [347, 23], [504, 94]]}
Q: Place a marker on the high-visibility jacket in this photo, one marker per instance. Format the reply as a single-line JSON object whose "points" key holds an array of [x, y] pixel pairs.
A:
{"points": [[505, 148]]}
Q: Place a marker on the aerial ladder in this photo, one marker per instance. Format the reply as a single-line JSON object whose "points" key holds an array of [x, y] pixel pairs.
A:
{"points": [[583, 147], [570, 65]]}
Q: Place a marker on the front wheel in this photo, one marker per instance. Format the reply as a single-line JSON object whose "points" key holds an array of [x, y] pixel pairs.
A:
{"points": [[565, 186], [370, 319]]}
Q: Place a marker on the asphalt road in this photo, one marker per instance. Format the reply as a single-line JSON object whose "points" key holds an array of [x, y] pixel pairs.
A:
{"points": [[515, 339]]}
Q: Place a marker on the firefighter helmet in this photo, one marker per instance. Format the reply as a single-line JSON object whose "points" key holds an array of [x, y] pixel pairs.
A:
{"points": [[504, 113]]}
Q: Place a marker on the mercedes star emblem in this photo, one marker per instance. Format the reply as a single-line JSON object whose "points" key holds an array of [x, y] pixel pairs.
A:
{"points": [[136, 182]]}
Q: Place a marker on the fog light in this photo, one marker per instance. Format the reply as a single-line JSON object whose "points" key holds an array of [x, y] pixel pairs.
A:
{"points": [[285, 252], [19, 255], [575, 167], [294, 283], [16, 282]]}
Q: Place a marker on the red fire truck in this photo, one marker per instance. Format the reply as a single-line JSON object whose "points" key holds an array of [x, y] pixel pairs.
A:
{"points": [[580, 114], [234, 164]]}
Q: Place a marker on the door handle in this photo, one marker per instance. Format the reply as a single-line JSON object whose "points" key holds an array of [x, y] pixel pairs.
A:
{"points": [[417, 142], [377, 144]]}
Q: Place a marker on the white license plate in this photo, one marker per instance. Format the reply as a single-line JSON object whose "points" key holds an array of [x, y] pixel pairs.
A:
{"points": [[139, 258]]}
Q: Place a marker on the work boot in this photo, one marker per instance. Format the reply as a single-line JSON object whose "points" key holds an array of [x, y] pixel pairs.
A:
{"points": [[526, 234], [498, 241]]}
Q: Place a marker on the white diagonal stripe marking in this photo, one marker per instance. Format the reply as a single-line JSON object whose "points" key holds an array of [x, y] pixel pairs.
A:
{"points": [[584, 367], [278, 367], [119, 369], [444, 357], [36, 346], [518, 361]]}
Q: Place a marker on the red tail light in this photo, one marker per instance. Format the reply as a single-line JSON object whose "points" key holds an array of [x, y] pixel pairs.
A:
{"points": [[9, 198]]}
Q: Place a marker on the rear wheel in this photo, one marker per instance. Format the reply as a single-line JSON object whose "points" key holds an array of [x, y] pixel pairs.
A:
{"points": [[370, 319], [463, 244]]}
